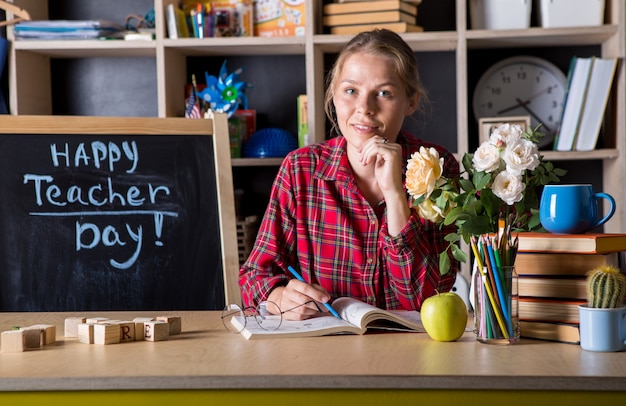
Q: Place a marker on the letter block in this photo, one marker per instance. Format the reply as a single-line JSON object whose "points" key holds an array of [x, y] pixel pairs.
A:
{"points": [[156, 331], [71, 326], [85, 333], [20, 340], [127, 331], [174, 322], [105, 334]]}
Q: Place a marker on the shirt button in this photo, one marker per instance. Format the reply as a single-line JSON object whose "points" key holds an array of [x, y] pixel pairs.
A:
{"points": [[369, 261]]}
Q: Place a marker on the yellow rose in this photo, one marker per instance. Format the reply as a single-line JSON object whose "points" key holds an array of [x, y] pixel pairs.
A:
{"points": [[423, 170], [429, 211]]}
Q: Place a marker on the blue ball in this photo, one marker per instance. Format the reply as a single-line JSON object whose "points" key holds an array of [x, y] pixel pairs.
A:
{"points": [[270, 143]]}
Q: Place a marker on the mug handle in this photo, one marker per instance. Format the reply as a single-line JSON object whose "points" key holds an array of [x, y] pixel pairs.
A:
{"points": [[602, 195]]}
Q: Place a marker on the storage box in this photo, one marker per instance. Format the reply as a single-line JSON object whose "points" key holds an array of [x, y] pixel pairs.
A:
{"points": [[500, 14], [571, 13], [279, 18]]}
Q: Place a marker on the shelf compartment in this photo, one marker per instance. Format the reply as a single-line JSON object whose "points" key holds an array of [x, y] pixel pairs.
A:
{"points": [[544, 37], [237, 46], [88, 48], [423, 41]]}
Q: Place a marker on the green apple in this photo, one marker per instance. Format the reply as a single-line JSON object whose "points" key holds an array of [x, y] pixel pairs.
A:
{"points": [[444, 316]]}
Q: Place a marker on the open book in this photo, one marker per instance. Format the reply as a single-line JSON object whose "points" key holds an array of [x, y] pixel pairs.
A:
{"points": [[357, 317]]}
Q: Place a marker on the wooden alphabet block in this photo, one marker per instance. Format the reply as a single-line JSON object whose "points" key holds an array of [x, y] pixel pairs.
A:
{"points": [[48, 333], [127, 331], [20, 340], [71, 326], [85, 333], [95, 320], [105, 334], [12, 341], [156, 331], [174, 322]]}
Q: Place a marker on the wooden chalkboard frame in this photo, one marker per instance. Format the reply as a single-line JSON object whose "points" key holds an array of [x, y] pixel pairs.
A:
{"points": [[216, 127]]}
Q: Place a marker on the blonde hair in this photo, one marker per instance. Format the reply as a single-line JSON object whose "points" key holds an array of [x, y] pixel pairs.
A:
{"points": [[384, 43]]}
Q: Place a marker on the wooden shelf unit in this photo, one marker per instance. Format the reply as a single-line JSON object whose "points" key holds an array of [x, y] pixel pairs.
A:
{"points": [[30, 78]]}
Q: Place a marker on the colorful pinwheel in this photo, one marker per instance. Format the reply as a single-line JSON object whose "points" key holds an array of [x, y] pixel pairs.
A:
{"points": [[224, 94]]}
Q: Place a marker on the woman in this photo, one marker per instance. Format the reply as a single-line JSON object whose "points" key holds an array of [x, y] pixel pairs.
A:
{"points": [[338, 211]]}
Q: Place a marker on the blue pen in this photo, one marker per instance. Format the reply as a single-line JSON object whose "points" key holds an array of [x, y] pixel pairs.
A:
{"points": [[300, 278]]}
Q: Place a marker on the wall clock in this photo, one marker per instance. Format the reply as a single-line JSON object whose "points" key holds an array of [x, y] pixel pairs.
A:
{"points": [[522, 86]]}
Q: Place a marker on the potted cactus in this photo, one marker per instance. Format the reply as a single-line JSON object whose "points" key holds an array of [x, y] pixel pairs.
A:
{"points": [[606, 287], [603, 320]]}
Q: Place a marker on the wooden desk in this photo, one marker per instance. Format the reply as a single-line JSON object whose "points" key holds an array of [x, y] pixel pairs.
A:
{"points": [[391, 366]]}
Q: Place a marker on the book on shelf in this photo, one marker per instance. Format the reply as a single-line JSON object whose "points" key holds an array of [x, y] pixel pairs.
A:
{"points": [[589, 243], [368, 6], [549, 310], [554, 288], [560, 332], [577, 79], [368, 18], [176, 22], [561, 264], [395, 27], [597, 96], [356, 318]]}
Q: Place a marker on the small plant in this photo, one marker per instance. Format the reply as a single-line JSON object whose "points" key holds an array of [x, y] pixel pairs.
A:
{"points": [[606, 287]]}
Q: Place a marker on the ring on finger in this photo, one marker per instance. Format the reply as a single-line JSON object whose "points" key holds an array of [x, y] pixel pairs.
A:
{"points": [[385, 140]]}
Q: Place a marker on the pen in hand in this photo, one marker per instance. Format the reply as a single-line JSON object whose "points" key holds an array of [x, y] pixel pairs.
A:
{"points": [[301, 279]]}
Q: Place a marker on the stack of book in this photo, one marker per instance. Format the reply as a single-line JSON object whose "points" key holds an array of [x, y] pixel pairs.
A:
{"points": [[345, 17], [552, 279]]}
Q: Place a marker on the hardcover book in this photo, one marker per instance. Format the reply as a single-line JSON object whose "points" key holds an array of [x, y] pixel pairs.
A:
{"points": [[561, 332], [561, 264], [367, 6], [590, 243]]}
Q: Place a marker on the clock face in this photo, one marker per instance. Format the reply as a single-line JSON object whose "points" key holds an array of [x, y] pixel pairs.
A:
{"points": [[523, 86]]}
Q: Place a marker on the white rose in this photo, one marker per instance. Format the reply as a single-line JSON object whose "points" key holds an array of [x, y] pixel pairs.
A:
{"points": [[521, 155], [486, 158], [423, 170], [506, 134], [508, 187]]}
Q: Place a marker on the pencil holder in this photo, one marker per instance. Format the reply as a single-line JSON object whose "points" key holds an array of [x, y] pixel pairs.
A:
{"points": [[496, 310]]}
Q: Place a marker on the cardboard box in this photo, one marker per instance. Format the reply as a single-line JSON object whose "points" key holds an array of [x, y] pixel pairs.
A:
{"points": [[279, 18]]}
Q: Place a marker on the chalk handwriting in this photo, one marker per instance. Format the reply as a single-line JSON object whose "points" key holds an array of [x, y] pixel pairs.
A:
{"points": [[102, 198]]}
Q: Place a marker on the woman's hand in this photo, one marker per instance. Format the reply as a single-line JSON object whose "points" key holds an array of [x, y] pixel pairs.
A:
{"points": [[386, 157], [299, 300]]}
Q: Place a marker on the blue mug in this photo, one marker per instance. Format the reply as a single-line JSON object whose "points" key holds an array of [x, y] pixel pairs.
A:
{"points": [[602, 330], [572, 209]]}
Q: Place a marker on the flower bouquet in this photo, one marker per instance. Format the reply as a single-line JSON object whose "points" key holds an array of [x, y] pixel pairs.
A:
{"points": [[495, 194]]}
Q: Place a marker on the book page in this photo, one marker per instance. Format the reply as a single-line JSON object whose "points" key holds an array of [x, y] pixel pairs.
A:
{"points": [[315, 326], [363, 315]]}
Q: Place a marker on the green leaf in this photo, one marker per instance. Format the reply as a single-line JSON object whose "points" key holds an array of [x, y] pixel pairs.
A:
{"points": [[444, 263], [481, 180], [458, 253], [452, 238]]}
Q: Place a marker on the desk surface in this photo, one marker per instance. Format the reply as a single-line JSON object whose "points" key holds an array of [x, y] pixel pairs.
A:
{"points": [[206, 356]]}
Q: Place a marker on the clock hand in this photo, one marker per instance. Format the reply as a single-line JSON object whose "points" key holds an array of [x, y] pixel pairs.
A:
{"points": [[525, 107], [523, 103]]}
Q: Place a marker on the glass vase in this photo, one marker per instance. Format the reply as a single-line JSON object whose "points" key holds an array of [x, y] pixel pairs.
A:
{"points": [[496, 309]]}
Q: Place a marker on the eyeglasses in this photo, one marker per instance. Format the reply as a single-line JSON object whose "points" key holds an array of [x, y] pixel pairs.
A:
{"points": [[236, 318]]}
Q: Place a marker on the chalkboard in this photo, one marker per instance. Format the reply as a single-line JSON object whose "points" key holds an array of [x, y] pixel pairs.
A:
{"points": [[101, 213]]}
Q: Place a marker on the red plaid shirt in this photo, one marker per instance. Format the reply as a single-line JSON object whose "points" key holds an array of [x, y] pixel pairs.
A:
{"points": [[318, 221]]}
